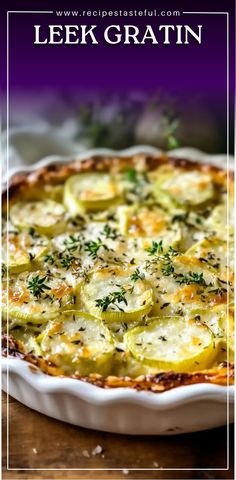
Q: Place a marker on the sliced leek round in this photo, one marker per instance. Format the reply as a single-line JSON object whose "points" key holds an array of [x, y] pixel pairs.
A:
{"points": [[113, 294], [226, 323], [27, 339], [22, 250], [141, 222], [214, 254], [46, 217], [187, 189], [90, 192], [189, 270], [78, 340], [36, 296], [172, 343], [220, 223], [212, 318], [220, 320]]}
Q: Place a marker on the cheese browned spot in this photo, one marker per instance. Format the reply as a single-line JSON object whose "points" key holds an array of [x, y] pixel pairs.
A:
{"points": [[113, 268]]}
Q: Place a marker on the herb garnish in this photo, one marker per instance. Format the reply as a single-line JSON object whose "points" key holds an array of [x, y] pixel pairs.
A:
{"points": [[67, 260], [137, 180], [113, 298], [93, 247], [181, 217], [33, 233], [4, 269], [156, 247], [137, 275], [164, 339], [131, 175], [168, 270], [50, 259], [109, 232], [72, 243], [219, 291], [171, 252], [37, 286], [190, 278]]}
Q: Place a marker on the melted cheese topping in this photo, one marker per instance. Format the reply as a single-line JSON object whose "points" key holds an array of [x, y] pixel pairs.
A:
{"points": [[123, 274]]}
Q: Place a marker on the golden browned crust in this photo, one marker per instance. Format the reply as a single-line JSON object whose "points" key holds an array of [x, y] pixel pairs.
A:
{"points": [[161, 382], [56, 174]]}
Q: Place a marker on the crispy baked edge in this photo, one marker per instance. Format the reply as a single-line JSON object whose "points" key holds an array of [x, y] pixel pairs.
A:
{"points": [[58, 173], [222, 375]]}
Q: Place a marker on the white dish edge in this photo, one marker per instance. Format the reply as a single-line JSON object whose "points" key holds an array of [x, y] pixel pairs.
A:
{"points": [[86, 392]]}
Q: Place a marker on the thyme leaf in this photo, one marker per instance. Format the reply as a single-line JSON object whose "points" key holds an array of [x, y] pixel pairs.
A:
{"points": [[181, 217], [93, 247], [167, 270], [137, 275], [67, 260], [72, 243], [109, 232], [131, 175], [114, 298], [156, 247], [190, 278], [164, 339], [50, 259], [171, 252], [37, 285]]}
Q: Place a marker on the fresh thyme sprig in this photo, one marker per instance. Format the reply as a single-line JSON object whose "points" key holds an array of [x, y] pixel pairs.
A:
{"points": [[114, 298], [137, 275], [167, 270], [49, 259], [131, 175], [67, 260], [93, 248], [171, 252], [155, 248], [109, 232], [190, 278], [180, 217], [166, 258], [72, 243], [37, 285]]}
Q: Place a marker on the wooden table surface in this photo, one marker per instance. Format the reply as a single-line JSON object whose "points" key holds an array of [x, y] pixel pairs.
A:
{"points": [[37, 442]]}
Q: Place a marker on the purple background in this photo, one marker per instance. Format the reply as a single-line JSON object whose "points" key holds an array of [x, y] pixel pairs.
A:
{"points": [[186, 70], [176, 67]]}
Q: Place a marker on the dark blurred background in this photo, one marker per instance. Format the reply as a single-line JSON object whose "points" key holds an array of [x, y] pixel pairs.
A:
{"points": [[92, 119]]}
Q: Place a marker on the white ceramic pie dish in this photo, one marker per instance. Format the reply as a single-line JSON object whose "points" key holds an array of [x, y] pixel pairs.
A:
{"points": [[120, 410]]}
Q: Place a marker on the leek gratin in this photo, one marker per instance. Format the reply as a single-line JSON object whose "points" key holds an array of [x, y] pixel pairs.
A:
{"points": [[120, 268]]}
